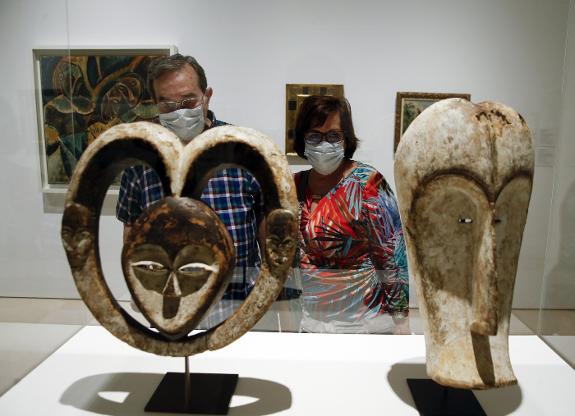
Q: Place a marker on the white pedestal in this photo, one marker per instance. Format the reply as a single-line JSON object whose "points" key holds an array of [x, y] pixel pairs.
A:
{"points": [[280, 373]]}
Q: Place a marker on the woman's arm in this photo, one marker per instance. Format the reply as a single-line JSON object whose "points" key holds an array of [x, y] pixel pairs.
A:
{"points": [[387, 246]]}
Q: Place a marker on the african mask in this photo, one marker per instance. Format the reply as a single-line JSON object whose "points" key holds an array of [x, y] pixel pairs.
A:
{"points": [[464, 174], [177, 263], [179, 257]]}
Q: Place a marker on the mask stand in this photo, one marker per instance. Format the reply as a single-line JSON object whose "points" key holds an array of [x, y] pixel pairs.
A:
{"points": [[203, 393], [432, 398]]}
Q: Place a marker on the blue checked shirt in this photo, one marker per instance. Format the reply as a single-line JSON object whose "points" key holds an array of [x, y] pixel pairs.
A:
{"points": [[234, 194]]}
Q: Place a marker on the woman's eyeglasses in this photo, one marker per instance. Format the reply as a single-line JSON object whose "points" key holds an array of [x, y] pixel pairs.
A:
{"points": [[315, 137]]}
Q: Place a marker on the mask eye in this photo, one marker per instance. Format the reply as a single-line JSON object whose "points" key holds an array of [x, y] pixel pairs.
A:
{"points": [[149, 266], [465, 220]]}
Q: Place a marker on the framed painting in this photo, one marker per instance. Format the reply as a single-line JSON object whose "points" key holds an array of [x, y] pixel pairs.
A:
{"points": [[295, 94], [408, 105], [80, 93]]}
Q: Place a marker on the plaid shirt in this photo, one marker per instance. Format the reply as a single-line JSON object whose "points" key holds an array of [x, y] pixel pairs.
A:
{"points": [[234, 194]]}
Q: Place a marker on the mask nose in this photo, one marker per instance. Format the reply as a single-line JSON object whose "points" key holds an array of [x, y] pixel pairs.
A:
{"points": [[172, 295], [172, 288], [485, 296]]}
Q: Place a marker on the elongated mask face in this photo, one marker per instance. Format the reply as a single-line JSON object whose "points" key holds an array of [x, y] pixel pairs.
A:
{"points": [[464, 174]]}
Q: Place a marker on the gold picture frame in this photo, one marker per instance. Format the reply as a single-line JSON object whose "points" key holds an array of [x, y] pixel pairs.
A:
{"points": [[295, 94], [408, 105]]}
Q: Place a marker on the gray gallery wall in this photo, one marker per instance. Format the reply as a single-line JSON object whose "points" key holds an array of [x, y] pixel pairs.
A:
{"points": [[512, 51]]}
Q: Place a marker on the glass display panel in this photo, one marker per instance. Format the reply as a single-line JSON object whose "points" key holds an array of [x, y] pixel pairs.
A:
{"points": [[252, 55]]}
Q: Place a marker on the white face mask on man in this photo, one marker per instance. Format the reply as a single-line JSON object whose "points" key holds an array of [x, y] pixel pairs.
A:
{"points": [[324, 157], [187, 123]]}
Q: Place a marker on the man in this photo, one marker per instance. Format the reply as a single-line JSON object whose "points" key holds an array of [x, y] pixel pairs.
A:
{"points": [[179, 87]]}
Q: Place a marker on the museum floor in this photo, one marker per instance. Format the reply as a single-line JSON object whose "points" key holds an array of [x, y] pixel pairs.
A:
{"points": [[34, 328]]}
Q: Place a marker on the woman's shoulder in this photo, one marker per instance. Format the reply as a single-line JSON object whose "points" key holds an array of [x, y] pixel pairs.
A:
{"points": [[371, 176], [365, 171]]}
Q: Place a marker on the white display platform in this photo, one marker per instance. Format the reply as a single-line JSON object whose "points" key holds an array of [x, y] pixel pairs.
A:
{"points": [[280, 373]]}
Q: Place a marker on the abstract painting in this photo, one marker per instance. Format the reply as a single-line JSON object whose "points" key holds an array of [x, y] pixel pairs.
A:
{"points": [[80, 93]]}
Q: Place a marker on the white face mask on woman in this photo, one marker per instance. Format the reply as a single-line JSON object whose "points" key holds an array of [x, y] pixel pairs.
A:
{"points": [[324, 157], [187, 123]]}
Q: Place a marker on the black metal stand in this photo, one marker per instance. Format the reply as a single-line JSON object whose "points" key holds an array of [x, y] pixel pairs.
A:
{"points": [[204, 393], [432, 399]]}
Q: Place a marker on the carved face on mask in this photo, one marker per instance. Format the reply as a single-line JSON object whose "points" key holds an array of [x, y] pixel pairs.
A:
{"points": [[464, 174], [178, 255], [77, 236]]}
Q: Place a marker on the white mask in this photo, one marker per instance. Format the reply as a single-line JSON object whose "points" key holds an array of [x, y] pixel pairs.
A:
{"points": [[324, 157], [463, 194], [187, 123]]}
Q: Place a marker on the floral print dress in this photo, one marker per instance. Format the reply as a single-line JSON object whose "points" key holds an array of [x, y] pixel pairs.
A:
{"points": [[352, 253]]}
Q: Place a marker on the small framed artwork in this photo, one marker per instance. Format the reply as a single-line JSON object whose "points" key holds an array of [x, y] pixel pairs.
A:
{"points": [[80, 93], [295, 94], [408, 105]]}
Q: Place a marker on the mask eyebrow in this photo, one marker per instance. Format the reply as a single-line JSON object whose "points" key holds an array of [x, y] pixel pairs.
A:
{"points": [[213, 268], [491, 196]]}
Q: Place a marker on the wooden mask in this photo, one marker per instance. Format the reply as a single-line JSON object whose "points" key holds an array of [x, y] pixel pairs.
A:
{"points": [[179, 257], [464, 174]]}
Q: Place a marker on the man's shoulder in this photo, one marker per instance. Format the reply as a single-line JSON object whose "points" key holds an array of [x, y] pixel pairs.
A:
{"points": [[214, 121], [218, 123]]}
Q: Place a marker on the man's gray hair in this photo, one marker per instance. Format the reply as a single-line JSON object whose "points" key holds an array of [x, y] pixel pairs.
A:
{"points": [[164, 64]]}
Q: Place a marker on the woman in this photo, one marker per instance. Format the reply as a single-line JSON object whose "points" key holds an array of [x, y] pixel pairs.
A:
{"points": [[352, 252]]}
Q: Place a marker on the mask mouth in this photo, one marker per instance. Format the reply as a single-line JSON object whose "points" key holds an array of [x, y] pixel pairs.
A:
{"points": [[170, 307]]}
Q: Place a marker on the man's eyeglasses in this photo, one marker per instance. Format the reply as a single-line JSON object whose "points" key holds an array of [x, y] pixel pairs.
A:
{"points": [[315, 137], [169, 106]]}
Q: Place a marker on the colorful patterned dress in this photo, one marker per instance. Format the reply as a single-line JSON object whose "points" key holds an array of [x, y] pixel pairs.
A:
{"points": [[352, 254]]}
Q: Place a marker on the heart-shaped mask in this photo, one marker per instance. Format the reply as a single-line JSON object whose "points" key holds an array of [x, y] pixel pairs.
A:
{"points": [[179, 256]]}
